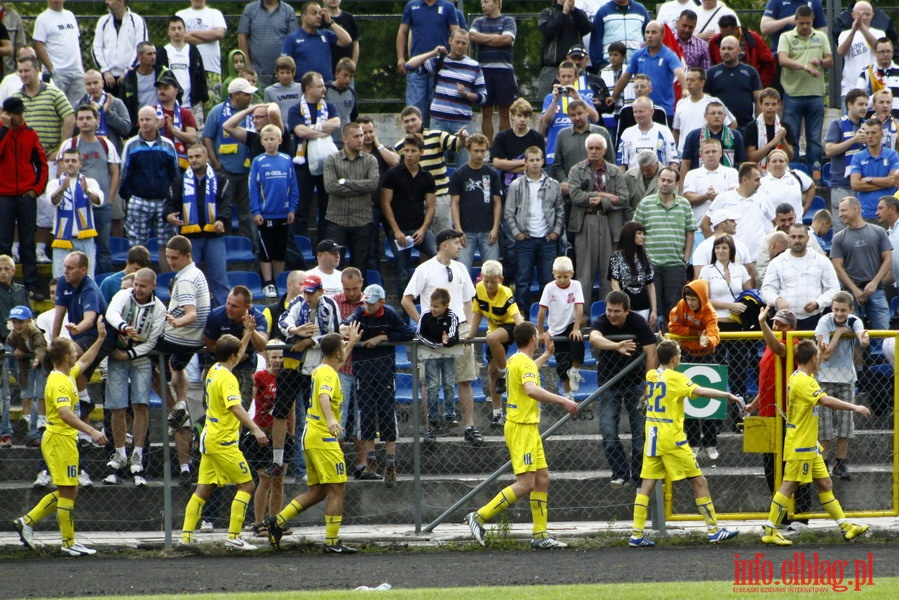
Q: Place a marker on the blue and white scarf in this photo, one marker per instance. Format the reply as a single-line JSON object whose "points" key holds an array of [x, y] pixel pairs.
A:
{"points": [[74, 215], [100, 105], [322, 109], [190, 209]]}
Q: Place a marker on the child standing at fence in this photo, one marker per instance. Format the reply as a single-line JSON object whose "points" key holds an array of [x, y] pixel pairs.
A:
{"points": [[837, 333], [802, 452], [523, 440], [29, 347], [563, 299], [59, 445], [438, 330], [665, 451]]}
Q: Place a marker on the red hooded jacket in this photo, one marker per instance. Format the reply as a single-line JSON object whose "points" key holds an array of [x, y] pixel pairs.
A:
{"points": [[684, 322], [22, 162]]}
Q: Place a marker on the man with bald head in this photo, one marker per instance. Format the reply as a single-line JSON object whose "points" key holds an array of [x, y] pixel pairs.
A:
{"points": [[137, 316], [753, 49], [856, 45], [646, 135], [736, 84]]}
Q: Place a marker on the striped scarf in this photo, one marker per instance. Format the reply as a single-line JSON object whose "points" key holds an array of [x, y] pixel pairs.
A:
{"points": [[190, 209], [727, 143], [74, 215]]}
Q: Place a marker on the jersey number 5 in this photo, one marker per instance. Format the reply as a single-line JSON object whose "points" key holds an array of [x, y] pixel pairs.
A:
{"points": [[655, 391]]}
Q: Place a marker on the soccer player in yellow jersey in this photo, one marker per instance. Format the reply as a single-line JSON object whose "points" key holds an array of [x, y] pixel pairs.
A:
{"points": [[59, 444], [665, 449], [523, 440], [325, 465], [221, 461], [802, 452], [496, 302]]}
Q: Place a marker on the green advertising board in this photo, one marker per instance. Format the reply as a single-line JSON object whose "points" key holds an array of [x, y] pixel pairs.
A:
{"points": [[705, 375]]}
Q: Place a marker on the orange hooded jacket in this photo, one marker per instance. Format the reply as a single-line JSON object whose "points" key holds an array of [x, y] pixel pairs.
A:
{"points": [[684, 322]]}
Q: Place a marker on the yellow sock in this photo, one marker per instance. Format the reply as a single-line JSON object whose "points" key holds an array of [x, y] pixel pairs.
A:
{"points": [[539, 513], [641, 507], [332, 529], [778, 510], [65, 514], [500, 502], [707, 510], [289, 512], [832, 506], [42, 509], [238, 513], [192, 515]]}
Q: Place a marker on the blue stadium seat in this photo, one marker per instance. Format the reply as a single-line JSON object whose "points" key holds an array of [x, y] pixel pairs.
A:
{"points": [[403, 392], [800, 167], [597, 310], [816, 205], [825, 174], [475, 272], [281, 282], [373, 277], [119, 248], [153, 247], [535, 308], [588, 385], [100, 277], [239, 249], [250, 279], [304, 244], [162, 286], [402, 358]]}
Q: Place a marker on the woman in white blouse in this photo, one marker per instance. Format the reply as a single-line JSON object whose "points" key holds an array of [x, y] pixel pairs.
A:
{"points": [[727, 280], [783, 184]]}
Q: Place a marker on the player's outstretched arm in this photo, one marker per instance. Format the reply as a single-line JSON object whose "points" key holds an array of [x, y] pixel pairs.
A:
{"points": [[836, 403], [713, 393], [86, 359], [247, 422], [543, 395]]}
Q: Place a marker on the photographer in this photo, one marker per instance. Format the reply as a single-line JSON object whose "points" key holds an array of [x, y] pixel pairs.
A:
{"points": [[556, 105]]}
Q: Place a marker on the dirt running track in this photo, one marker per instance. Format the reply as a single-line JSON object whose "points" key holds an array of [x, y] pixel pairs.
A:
{"points": [[29, 578]]}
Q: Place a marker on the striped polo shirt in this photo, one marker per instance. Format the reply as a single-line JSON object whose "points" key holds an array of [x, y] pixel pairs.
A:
{"points": [[666, 228], [44, 113]]}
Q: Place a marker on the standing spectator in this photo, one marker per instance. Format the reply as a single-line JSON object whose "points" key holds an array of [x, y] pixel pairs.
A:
{"points": [[767, 133], [285, 92], [558, 105], [327, 255], [753, 49], [535, 218], [881, 73], [779, 18], [204, 28], [591, 87], [15, 29], [115, 40], [845, 138], [138, 317], [113, 121], [342, 94], [425, 25], [874, 171], [20, 153], [11, 295], [631, 272], [476, 204], [310, 46], [57, 43], [178, 123], [348, 301], [269, 497], [348, 22], [863, 256], [494, 35], [138, 86], [186, 62], [643, 179], [309, 119], [883, 112], [197, 207], [789, 186], [646, 135], [599, 207], [754, 208], [407, 202], [881, 21], [228, 156], [149, 164], [708, 13], [610, 74], [668, 13], [808, 52], [669, 224], [258, 115], [888, 215], [438, 330], [509, 145], [622, 21], [690, 111], [374, 366], [569, 146], [445, 272], [29, 346], [350, 178], [562, 25], [695, 49], [642, 88], [710, 177], [613, 357], [138, 258], [262, 27], [736, 84], [563, 299], [857, 47]]}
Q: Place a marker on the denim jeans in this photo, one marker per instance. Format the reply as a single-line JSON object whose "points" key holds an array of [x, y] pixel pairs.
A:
{"points": [[347, 382], [103, 221], [610, 403], [86, 245], [5, 425], [402, 258], [530, 253], [453, 159], [876, 310], [211, 251], [420, 93], [478, 240], [811, 110], [440, 373]]}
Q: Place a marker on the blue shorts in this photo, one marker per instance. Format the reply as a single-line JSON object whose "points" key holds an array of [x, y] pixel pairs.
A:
{"points": [[502, 89], [132, 375]]}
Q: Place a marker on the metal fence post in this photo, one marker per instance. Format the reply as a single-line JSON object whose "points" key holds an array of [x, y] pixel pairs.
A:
{"points": [[166, 457], [657, 511], [416, 438]]}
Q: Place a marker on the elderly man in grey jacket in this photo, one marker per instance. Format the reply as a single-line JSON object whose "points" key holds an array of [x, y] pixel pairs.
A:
{"points": [[599, 207], [536, 227]]}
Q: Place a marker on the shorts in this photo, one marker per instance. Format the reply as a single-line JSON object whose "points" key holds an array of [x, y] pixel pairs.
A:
{"points": [[324, 465], [466, 365], [804, 471], [132, 375], [292, 386], [525, 447], [180, 355], [46, 212], [228, 465], [836, 423], [118, 208], [679, 464], [502, 89], [273, 240], [259, 457], [61, 455], [508, 327]]}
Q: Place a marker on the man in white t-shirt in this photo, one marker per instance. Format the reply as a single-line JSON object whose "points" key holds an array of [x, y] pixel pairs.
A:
{"points": [[856, 45], [724, 222], [327, 253], [690, 111], [703, 184], [668, 13], [205, 27], [55, 35], [443, 271], [646, 135], [756, 215], [707, 16]]}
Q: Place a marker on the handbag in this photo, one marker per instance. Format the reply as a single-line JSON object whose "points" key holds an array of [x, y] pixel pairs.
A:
{"points": [[317, 151]]}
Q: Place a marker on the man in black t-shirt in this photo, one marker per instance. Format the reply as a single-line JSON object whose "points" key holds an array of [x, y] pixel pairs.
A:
{"points": [[612, 358], [476, 203]]}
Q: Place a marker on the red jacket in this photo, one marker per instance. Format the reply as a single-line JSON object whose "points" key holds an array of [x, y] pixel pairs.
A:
{"points": [[684, 322], [758, 55], [22, 162]]}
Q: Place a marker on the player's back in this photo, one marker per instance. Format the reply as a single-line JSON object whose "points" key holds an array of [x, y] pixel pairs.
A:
{"points": [[60, 391], [324, 381], [521, 408], [803, 393], [221, 393], [666, 390]]}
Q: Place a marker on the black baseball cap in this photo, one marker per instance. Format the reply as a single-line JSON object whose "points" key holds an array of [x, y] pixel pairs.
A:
{"points": [[447, 234], [328, 246]]}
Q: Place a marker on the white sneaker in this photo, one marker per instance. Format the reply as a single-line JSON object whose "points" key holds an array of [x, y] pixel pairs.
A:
{"points": [[270, 291], [712, 452], [139, 480], [136, 464], [43, 259], [207, 527], [117, 462], [618, 482], [43, 479], [77, 549], [84, 480], [42, 422], [112, 479], [26, 532], [239, 544], [574, 379]]}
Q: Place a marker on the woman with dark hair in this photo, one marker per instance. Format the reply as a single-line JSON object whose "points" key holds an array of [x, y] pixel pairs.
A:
{"points": [[631, 272]]}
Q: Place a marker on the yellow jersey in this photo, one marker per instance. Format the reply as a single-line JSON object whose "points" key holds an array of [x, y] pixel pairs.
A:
{"points": [[665, 393], [324, 381], [803, 394], [60, 391], [222, 427], [521, 408], [499, 310]]}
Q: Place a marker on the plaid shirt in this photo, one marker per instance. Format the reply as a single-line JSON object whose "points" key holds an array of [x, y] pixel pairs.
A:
{"points": [[696, 53]]}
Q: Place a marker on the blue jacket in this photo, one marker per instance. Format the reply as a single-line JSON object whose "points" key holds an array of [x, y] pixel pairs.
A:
{"points": [[273, 186], [148, 171], [610, 25]]}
